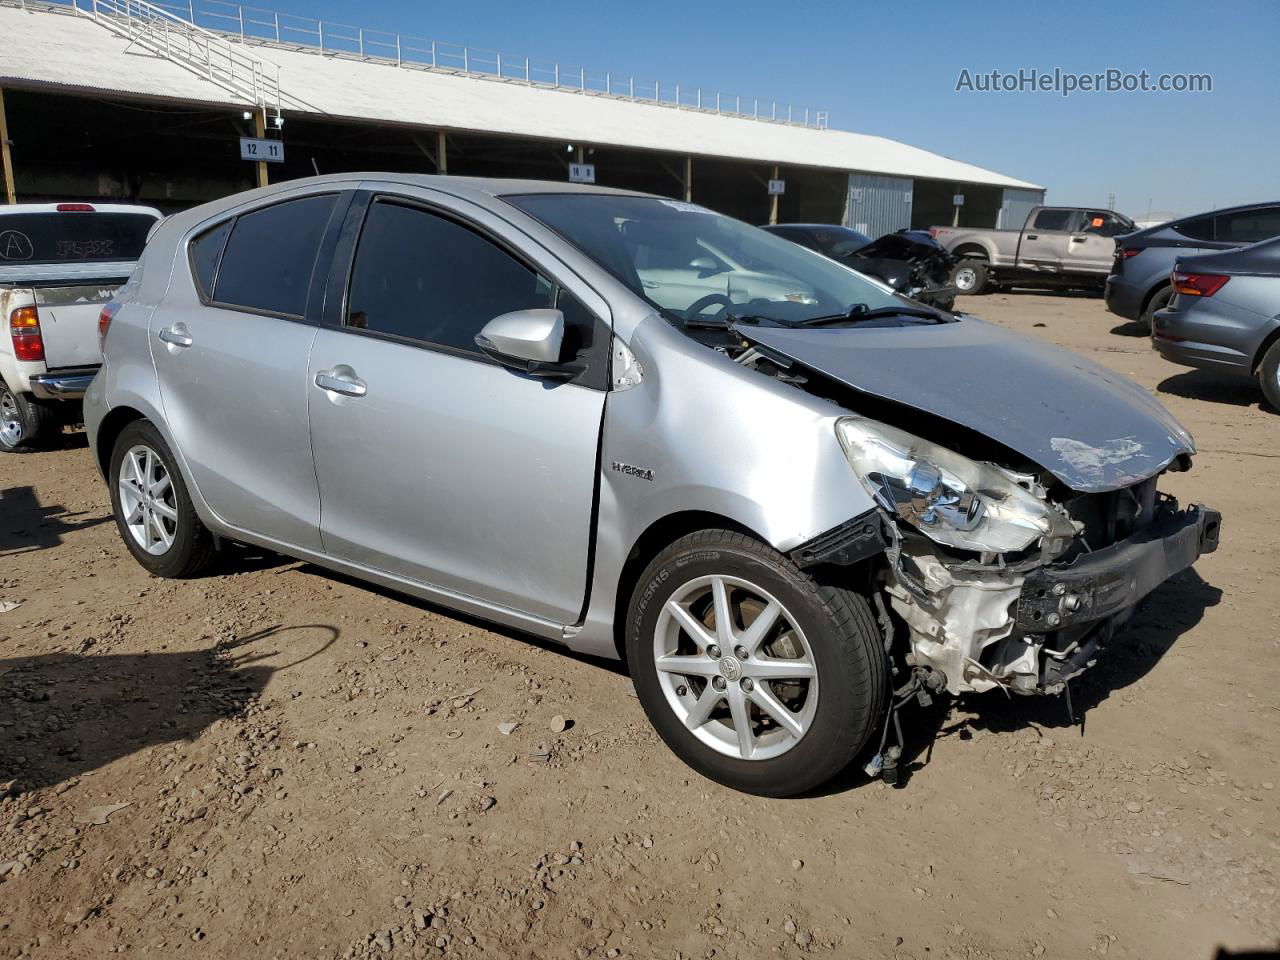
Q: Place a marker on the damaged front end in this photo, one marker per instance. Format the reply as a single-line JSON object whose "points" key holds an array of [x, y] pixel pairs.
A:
{"points": [[1006, 580], [1019, 516]]}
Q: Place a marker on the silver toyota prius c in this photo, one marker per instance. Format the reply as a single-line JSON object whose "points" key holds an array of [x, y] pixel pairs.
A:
{"points": [[790, 499]]}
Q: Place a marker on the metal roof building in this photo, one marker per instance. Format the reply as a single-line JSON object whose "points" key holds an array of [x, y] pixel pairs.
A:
{"points": [[170, 88]]}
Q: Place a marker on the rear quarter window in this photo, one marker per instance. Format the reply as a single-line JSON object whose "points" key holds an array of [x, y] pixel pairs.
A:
{"points": [[269, 256], [1201, 228], [1053, 220], [205, 252]]}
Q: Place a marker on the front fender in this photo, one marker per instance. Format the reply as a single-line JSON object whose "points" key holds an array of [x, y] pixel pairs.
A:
{"points": [[702, 434]]}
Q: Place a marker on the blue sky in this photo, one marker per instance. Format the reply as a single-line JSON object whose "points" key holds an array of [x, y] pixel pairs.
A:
{"points": [[891, 69]]}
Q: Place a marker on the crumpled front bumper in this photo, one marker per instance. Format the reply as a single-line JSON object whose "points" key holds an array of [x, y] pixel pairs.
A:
{"points": [[1112, 579]]}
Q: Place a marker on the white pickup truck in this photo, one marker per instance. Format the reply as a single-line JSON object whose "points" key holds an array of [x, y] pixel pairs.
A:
{"points": [[60, 263], [1057, 247]]}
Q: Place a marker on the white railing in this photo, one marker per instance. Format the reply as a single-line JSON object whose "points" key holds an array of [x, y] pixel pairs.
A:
{"points": [[208, 53], [256, 25]]}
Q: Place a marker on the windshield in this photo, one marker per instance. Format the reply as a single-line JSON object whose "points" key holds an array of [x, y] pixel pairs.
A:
{"points": [[697, 265], [72, 237], [841, 241]]}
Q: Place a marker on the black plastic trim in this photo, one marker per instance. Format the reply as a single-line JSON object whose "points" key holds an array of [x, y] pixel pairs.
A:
{"points": [[850, 542]]}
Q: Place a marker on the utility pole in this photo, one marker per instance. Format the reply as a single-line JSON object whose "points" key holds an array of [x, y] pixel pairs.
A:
{"points": [[260, 131], [6, 158]]}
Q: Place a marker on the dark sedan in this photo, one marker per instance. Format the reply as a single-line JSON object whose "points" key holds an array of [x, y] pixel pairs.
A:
{"points": [[1225, 315], [1139, 282], [909, 261]]}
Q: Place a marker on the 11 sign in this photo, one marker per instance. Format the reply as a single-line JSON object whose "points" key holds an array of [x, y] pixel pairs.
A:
{"points": [[268, 151]]}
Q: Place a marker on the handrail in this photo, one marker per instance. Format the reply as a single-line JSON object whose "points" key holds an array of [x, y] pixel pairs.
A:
{"points": [[208, 53], [245, 25]]}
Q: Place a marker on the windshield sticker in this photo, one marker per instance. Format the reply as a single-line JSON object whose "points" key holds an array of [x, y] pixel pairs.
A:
{"points": [[684, 207], [84, 249], [15, 245]]}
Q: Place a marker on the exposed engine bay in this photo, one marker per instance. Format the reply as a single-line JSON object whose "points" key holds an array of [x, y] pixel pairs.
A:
{"points": [[970, 611]]}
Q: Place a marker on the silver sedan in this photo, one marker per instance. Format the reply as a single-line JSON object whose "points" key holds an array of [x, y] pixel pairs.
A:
{"points": [[793, 501]]}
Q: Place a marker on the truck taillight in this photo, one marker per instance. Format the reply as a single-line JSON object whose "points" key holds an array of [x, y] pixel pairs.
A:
{"points": [[1198, 284], [104, 320], [24, 328]]}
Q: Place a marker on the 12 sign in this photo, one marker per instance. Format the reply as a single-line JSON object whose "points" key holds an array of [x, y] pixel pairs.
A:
{"points": [[268, 151]]}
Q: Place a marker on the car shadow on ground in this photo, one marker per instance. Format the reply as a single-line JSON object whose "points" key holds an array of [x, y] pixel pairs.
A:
{"points": [[1213, 387], [1131, 328], [66, 715], [1171, 610], [617, 667], [26, 524]]}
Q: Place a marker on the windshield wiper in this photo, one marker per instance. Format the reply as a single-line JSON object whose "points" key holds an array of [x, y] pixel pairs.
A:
{"points": [[859, 312]]}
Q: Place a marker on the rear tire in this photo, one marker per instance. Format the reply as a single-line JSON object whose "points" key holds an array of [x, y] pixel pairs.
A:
{"points": [[970, 277], [1158, 302], [1269, 376], [798, 736], [152, 508], [25, 423]]}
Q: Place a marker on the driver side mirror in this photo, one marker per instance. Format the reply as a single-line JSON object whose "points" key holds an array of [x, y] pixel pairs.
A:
{"points": [[529, 341]]}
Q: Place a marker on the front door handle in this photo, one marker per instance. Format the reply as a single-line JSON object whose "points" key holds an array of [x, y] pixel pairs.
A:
{"points": [[1033, 236], [1078, 239], [176, 335], [348, 386]]}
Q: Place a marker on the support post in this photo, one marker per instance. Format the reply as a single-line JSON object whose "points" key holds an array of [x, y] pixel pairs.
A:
{"points": [[581, 155], [6, 158], [260, 131], [442, 159], [773, 200], [688, 179]]}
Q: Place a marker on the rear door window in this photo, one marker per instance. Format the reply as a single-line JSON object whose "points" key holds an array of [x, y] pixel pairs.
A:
{"points": [[78, 237], [267, 264], [1249, 226], [1053, 220]]}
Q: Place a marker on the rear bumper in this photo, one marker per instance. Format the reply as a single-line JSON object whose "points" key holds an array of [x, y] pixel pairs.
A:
{"points": [[1108, 581], [1122, 299], [67, 384]]}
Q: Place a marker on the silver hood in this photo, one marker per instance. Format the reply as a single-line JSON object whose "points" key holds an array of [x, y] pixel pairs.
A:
{"points": [[1092, 429]]}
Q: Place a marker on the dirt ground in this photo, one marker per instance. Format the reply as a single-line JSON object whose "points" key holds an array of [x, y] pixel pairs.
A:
{"points": [[277, 762]]}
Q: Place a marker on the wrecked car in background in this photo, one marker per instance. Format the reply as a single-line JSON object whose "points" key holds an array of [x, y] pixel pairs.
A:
{"points": [[910, 261], [791, 503]]}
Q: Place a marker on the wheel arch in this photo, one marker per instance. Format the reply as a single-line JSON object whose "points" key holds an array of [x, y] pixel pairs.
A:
{"points": [[1151, 294], [657, 536], [109, 429], [1267, 342], [971, 251]]}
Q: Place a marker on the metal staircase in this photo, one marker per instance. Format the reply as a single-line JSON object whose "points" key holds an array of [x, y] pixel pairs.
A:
{"points": [[202, 52]]}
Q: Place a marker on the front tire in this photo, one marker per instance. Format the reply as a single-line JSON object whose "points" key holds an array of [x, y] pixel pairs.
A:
{"points": [[153, 510], [25, 424], [1269, 376], [970, 277], [751, 671]]}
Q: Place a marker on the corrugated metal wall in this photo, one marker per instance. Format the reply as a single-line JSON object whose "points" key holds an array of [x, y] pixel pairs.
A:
{"points": [[1017, 204], [878, 205]]}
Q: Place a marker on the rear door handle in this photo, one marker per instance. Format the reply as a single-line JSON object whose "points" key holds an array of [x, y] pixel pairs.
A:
{"points": [[1033, 236], [1078, 239], [176, 335], [347, 386]]}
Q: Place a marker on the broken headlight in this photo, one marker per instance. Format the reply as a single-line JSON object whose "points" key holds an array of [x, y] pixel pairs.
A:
{"points": [[950, 498]]}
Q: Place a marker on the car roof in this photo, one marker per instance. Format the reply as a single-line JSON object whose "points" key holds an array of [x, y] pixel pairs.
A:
{"points": [[1241, 208]]}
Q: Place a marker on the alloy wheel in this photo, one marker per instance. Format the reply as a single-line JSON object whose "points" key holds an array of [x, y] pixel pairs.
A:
{"points": [[735, 667], [964, 279], [10, 418], [147, 500]]}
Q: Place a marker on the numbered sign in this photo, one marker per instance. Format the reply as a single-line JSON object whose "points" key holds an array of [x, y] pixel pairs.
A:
{"points": [[268, 151], [582, 173], [958, 200], [777, 188]]}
